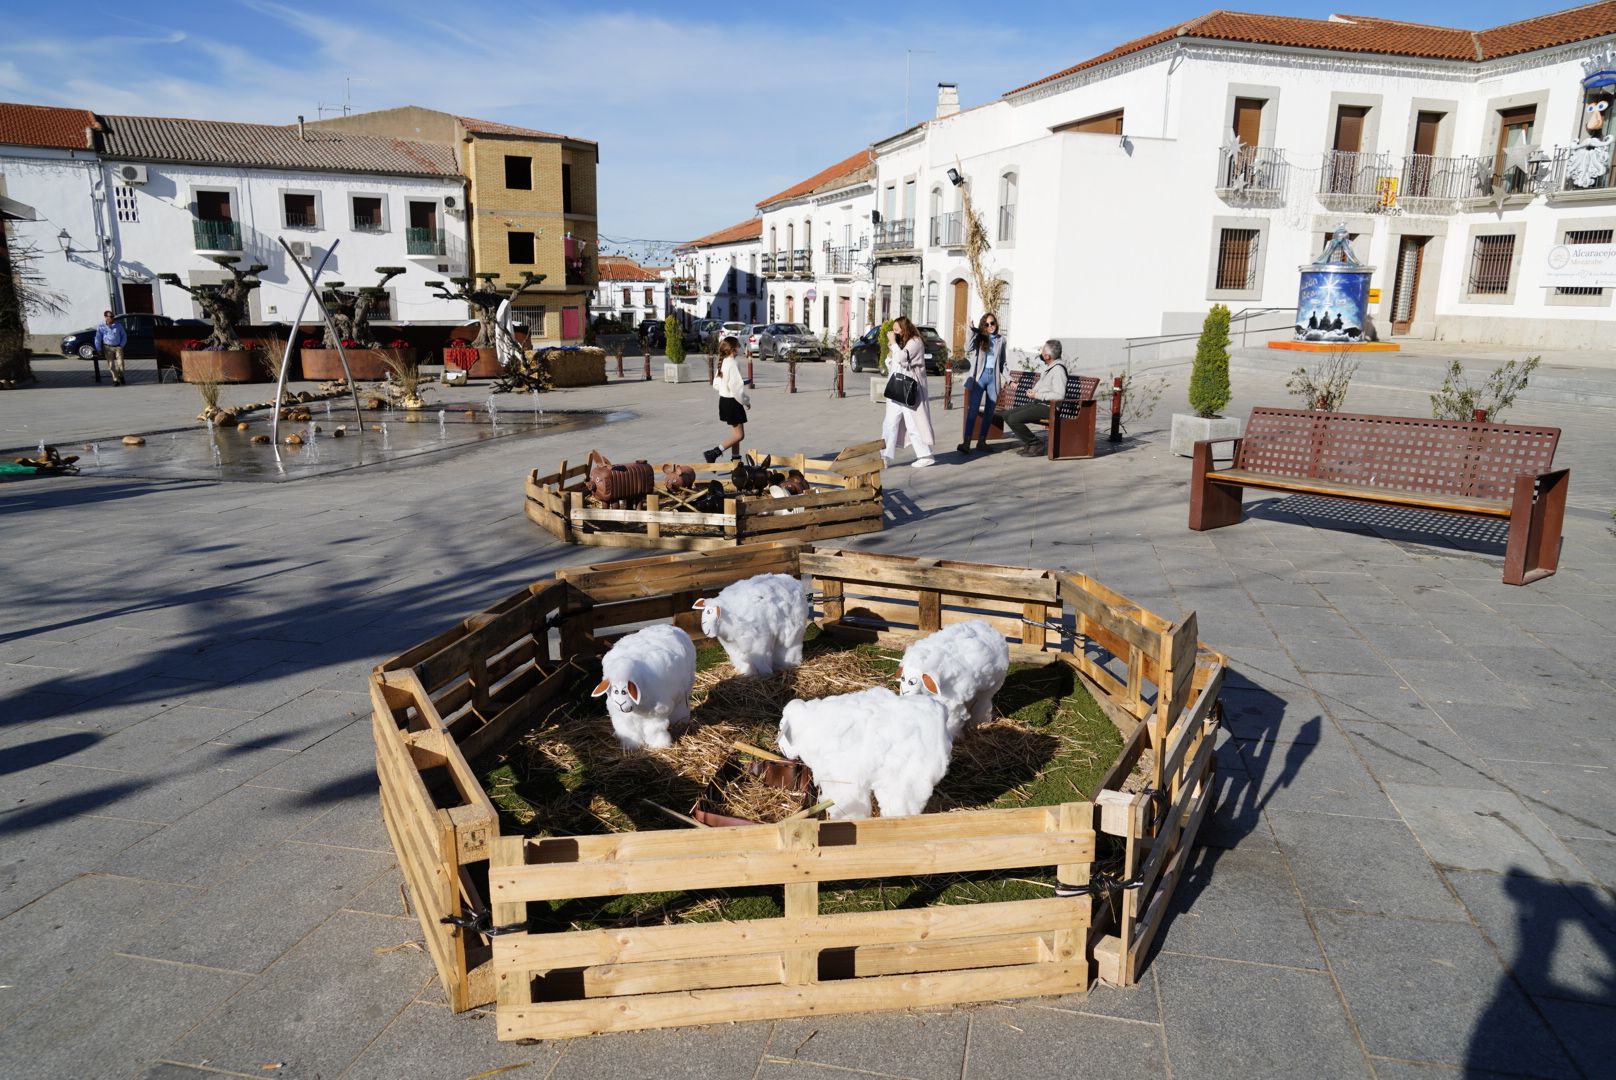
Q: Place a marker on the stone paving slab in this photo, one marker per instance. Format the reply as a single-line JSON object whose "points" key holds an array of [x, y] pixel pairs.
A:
{"points": [[1372, 654]]}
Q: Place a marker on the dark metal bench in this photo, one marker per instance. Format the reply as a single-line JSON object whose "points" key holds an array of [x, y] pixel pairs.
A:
{"points": [[1449, 466], [1071, 420]]}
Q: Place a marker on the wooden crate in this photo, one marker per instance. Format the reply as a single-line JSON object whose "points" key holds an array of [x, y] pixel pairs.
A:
{"points": [[475, 687], [846, 500]]}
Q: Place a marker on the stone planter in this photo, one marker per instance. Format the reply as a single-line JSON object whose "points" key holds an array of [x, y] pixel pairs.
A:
{"points": [[1189, 429], [220, 365], [677, 373], [325, 364], [487, 366]]}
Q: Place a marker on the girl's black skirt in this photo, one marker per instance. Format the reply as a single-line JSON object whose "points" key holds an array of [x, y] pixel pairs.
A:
{"points": [[731, 412]]}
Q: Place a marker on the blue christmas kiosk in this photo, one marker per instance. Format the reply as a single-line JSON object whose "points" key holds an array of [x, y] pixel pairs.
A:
{"points": [[1332, 304]]}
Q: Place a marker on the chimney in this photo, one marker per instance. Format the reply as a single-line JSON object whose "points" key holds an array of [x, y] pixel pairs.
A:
{"points": [[947, 99], [300, 135]]}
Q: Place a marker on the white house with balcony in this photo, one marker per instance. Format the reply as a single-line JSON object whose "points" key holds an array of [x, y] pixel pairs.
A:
{"points": [[817, 243], [629, 292], [720, 276], [49, 162], [1203, 164]]}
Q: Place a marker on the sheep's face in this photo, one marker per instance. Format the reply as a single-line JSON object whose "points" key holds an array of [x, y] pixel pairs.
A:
{"points": [[709, 617], [911, 683], [622, 696], [784, 738]]}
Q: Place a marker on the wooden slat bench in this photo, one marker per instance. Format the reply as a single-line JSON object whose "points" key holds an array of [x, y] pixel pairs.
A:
{"points": [[1071, 420], [1449, 466]]}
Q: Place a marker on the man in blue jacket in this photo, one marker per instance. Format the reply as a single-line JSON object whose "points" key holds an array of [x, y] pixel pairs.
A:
{"points": [[110, 338]]}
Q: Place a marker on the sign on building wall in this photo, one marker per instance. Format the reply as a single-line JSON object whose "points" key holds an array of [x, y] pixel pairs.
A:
{"points": [[1581, 266]]}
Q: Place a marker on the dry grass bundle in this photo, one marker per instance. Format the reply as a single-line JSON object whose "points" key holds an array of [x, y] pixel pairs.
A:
{"points": [[990, 285]]}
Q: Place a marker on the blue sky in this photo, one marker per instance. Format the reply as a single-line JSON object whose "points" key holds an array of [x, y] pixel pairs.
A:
{"points": [[700, 109]]}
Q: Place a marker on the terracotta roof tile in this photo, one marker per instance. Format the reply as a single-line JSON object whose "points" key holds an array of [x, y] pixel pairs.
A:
{"points": [[46, 125], [1371, 34], [494, 127], [821, 178], [621, 268], [750, 229], [220, 142]]}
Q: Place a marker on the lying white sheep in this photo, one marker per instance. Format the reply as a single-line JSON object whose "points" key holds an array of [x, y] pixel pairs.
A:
{"points": [[646, 678], [759, 621], [870, 741], [778, 492], [962, 665]]}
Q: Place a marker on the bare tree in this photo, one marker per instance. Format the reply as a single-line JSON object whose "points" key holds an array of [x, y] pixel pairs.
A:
{"points": [[484, 298], [23, 292], [350, 309], [226, 303]]}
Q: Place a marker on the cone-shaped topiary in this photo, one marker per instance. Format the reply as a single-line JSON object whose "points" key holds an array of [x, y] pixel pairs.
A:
{"points": [[1209, 378], [885, 342], [675, 347]]}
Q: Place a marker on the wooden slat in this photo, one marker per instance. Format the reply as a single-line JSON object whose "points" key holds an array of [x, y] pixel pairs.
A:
{"points": [[1191, 726], [1121, 620], [1156, 911], [761, 524], [705, 973], [976, 580], [923, 956], [660, 517], [508, 722], [567, 881], [571, 1019], [811, 501], [1167, 835], [800, 966], [495, 635], [1424, 500], [943, 922]]}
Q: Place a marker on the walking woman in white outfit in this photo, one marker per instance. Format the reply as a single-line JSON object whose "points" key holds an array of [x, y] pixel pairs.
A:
{"points": [[908, 426]]}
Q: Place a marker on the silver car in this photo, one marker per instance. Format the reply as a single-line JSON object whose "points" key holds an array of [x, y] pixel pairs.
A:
{"points": [[788, 341]]}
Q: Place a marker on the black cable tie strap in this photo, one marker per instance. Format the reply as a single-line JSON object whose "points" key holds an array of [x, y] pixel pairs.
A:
{"points": [[1103, 886], [1057, 627], [481, 922], [1158, 802]]}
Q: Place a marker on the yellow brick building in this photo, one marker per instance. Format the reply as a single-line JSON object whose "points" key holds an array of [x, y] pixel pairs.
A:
{"points": [[531, 207]]}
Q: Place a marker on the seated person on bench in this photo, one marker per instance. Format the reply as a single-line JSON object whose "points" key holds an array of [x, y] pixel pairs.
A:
{"points": [[1051, 386]]}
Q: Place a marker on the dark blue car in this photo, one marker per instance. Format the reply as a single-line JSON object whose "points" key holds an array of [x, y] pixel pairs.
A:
{"points": [[141, 339]]}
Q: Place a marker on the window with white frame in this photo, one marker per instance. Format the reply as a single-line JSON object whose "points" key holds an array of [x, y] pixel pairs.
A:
{"points": [[1008, 184], [1585, 236], [1237, 259]]}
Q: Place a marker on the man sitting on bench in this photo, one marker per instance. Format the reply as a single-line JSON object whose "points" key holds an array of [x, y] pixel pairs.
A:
{"points": [[1051, 386]]}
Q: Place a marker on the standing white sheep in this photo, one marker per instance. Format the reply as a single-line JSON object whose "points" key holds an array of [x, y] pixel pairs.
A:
{"points": [[760, 622], [870, 741], [646, 678], [962, 665]]}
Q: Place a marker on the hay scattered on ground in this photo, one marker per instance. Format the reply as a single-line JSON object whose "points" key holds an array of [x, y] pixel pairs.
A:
{"points": [[1047, 744]]}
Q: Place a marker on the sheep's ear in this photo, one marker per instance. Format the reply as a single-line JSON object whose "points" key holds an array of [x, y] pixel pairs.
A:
{"points": [[634, 691], [701, 604], [925, 680], [601, 689]]}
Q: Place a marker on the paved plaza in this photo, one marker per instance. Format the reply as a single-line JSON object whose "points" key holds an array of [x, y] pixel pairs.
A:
{"points": [[1410, 872]]}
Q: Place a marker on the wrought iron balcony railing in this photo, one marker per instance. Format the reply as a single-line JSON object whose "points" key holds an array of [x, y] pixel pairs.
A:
{"points": [[802, 262], [301, 219], [1578, 168], [948, 230], [840, 261], [897, 235], [425, 242], [1252, 171], [214, 235]]}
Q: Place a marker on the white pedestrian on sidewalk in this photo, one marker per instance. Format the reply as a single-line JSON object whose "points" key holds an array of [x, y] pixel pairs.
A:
{"points": [[905, 426]]}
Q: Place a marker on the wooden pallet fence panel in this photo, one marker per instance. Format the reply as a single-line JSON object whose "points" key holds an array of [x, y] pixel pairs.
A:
{"points": [[655, 576], [979, 580], [1199, 800]]}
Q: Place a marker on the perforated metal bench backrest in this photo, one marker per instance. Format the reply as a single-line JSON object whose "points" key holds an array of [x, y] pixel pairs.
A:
{"points": [[1451, 457], [1079, 388]]}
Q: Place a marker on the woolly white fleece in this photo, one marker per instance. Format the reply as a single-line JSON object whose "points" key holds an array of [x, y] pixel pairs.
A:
{"points": [[870, 741], [967, 662], [646, 678], [759, 621]]}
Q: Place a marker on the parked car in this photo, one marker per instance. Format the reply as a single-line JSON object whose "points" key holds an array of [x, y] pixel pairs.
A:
{"points": [[788, 341], [142, 340], [867, 350], [647, 326], [737, 330], [656, 336], [755, 332], [704, 329]]}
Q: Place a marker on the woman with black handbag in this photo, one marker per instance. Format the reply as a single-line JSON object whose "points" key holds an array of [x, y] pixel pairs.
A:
{"points": [[908, 418]]}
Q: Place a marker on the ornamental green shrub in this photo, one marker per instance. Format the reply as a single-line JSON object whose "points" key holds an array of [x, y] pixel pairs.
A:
{"points": [[885, 342], [1209, 378], [675, 347]]}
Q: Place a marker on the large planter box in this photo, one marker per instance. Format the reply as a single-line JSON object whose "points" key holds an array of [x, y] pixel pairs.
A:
{"points": [[221, 366], [487, 365], [451, 701], [1189, 429], [576, 367], [677, 373], [366, 364], [845, 500]]}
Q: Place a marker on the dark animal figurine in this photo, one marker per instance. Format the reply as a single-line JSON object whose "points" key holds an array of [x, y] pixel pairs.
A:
{"points": [[710, 501], [796, 483], [753, 479], [678, 477]]}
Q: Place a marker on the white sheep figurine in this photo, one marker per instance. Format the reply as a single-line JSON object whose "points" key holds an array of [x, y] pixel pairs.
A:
{"points": [[962, 665], [760, 622], [646, 678], [870, 741]]}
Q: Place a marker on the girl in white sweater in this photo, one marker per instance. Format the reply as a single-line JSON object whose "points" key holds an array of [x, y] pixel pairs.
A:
{"points": [[732, 401]]}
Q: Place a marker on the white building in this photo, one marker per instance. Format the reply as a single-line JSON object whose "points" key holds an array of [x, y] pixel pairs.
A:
{"points": [[148, 195], [629, 292], [1204, 163], [818, 238], [719, 276]]}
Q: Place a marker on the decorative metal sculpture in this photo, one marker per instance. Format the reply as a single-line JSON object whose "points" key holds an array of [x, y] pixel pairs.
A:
{"points": [[1338, 249]]}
